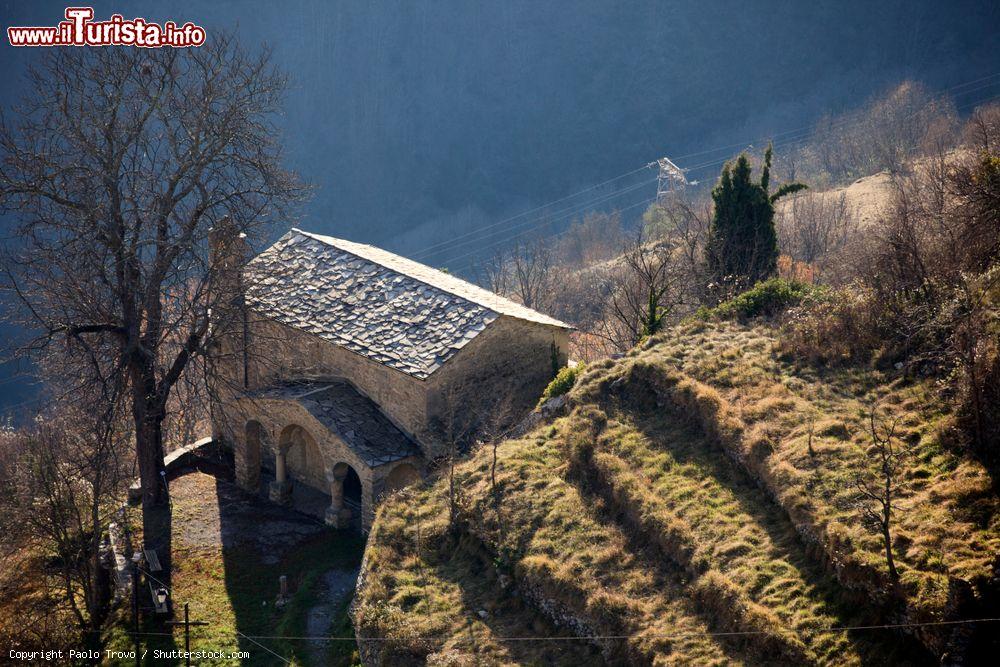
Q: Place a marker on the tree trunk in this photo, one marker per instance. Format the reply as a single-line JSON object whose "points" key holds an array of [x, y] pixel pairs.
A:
{"points": [[887, 520], [451, 489], [148, 413], [149, 450], [98, 600], [888, 555]]}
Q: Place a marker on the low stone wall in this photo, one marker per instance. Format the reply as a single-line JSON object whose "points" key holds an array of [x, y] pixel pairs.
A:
{"points": [[173, 461]]}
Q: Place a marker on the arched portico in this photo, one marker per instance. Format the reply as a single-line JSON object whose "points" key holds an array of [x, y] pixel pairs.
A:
{"points": [[332, 446]]}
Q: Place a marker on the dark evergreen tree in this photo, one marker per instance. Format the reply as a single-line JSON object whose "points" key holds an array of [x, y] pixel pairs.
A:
{"points": [[742, 247]]}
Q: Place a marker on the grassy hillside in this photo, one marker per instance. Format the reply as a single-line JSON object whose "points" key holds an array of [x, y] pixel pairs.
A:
{"points": [[866, 199], [676, 514]]}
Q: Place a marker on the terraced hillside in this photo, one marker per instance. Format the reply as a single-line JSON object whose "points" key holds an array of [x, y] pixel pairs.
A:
{"points": [[695, 504]]}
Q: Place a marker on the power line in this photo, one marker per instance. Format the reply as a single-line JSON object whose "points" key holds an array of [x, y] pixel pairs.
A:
{"points": [[29, 378], [7, 408], [240, 634], [553, 236], [849, 120], [533, 210], [809, 128], [561, 638], [531, 225], [854, 121], [562, 213]]}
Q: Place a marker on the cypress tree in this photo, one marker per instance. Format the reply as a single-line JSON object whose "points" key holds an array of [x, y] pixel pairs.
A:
{"points": [[742, 247]]}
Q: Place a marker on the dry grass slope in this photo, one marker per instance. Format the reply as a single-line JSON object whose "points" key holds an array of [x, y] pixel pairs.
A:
{"points": [[678, 499]]}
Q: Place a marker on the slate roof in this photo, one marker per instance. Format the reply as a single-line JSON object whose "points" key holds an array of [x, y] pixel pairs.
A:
{"points": [[393, 310], [350, 415]]}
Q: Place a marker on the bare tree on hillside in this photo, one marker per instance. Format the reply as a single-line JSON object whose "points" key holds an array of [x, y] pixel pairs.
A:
{"points": [[459, 424], [116, 167], [879, 488], [643, 292], [815, 229], [595, 238], [884, 134], [982, 131], [683, 223], [494, 273], [531, 272], [61, 478], [522, 272]]}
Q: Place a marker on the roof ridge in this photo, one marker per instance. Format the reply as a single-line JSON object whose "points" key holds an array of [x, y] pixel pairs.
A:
{"points": [[500, 305]]}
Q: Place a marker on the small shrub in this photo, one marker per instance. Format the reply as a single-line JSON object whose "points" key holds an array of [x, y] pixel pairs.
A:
{"points": [[765, 299], [562, 382]]}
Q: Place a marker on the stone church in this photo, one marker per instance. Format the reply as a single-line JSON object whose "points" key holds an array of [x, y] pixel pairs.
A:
{"points": [[352, 369]]}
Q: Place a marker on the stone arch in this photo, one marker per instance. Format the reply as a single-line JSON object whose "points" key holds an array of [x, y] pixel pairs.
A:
{"points": [[353, 489], [348, 496], [248, 464], [303, 459], [401, 476]]}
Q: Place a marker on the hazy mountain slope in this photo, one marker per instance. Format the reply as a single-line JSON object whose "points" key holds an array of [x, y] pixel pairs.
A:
{"points": [[422, 120], [680, 487], [419, 121]]}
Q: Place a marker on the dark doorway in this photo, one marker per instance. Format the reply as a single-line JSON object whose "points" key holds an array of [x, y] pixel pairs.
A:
{"points": [[352, 487]]}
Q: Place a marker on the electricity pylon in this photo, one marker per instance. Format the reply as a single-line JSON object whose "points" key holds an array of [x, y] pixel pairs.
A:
{"points": [[669, 175]]}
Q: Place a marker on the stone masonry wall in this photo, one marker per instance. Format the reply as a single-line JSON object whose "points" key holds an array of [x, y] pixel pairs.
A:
{"points": [[511, 359], [507, 365], [283, 353], [506, 368]]}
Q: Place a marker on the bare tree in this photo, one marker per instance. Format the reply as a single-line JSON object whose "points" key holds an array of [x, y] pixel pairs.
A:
{"points": [[683, 222], [117, 166], [643, 291], [460, 424], [494, 273], [594, 238], [522, 272], [455, 424], [982, 131], [63, 476], [531, 272], [815, 229], [879, 489], [884, 134]]}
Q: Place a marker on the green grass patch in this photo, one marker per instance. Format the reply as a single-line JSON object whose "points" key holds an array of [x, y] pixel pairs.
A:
{"points": [[562, 382], [765, 299]]}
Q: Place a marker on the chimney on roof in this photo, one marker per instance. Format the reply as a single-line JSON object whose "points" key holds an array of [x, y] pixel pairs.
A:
{"points": [[227, 244], [228, 253]]}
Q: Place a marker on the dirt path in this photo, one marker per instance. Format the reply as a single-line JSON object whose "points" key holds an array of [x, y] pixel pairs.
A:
{"points": [[335, 589], [214, 513]]}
